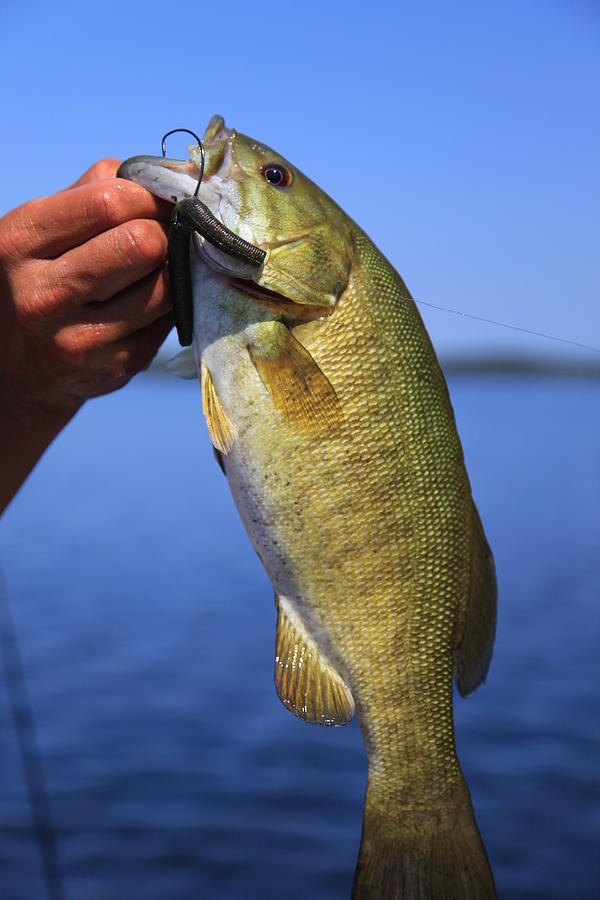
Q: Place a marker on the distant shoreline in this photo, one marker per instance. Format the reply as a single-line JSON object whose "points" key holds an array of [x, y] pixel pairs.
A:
{"points": [[479, 365], [522, 366]]}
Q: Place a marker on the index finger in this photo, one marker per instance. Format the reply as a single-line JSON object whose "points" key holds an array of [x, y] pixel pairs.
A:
{"points": [[49, 226]]}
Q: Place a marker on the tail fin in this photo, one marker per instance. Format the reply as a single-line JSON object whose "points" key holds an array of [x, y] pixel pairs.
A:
{"points": [[434, 854]]}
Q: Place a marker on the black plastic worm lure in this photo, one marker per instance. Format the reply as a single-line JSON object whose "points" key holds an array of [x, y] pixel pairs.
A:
{"points": [[191, 215]]}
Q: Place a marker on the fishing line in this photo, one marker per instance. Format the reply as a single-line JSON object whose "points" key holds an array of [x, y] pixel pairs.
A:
{"points": [[31, 760], [466, 315], [213, 225]]}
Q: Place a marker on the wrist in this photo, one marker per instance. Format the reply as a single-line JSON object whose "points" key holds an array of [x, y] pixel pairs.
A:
{"points": [[29, 411], [27, 426]]}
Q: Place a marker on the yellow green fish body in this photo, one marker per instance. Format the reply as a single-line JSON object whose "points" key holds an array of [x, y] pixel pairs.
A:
{"points": [[332, 419]]}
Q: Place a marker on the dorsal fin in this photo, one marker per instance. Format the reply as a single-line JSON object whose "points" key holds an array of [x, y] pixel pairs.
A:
{"points": [[299, 389], [221, 430], [307, 684], [476, 641]]}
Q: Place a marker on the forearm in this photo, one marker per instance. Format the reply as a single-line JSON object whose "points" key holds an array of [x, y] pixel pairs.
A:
{"points": [[84, 305], [26, 429]]}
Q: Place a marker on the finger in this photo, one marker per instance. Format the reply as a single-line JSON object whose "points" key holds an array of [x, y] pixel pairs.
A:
{"points": [[134, 353], [150, 341], [48, 226], [103, 168], [115, 364], [128, 312], [105, 265]]}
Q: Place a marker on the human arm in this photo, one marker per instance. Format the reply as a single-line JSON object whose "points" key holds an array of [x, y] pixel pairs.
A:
{"points": [[84, 305]]}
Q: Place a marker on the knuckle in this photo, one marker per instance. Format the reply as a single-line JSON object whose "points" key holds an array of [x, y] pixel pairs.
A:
{"points": [[29, 312], [70, 349], [92, 368], [123, 364], [15, 230], [36, 301], [53, 286], [143, 241], [104, 168], [51, 294], [109, 205]]}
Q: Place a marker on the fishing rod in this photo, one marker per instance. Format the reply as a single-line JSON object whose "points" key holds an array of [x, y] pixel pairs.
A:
{"points": [[31, 760]]}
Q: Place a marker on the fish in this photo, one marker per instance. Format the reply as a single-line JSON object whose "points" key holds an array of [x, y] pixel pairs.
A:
{"points": [[331, 419]]}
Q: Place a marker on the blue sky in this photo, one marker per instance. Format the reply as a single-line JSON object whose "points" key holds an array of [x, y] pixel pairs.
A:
{"points": [[462, 136]]}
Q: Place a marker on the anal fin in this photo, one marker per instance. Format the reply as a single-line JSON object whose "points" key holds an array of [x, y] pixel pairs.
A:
{"points": [[221, 430], [475, 644], [307, 684], [299, 389]]}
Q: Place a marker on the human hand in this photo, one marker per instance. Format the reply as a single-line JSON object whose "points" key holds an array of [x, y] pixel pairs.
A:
{"points": [[84, 301], [84, 305]]}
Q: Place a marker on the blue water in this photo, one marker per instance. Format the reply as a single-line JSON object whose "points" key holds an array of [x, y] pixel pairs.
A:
{"points": [[147, 626]]}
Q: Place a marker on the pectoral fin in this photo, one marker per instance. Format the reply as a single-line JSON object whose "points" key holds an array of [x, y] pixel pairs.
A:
{"points": [[184, 364], [298, 388], [306, 682], [476, 638], [221, 430]]}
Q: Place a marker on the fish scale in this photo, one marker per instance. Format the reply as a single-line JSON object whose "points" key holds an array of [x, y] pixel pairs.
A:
{"points": [[332, 420], [409, 617]]}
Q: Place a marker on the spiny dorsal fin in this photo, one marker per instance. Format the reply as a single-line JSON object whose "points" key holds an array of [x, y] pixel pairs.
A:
{"points": [[306, 683], [298, 388], [221, 430], [474, 650]]}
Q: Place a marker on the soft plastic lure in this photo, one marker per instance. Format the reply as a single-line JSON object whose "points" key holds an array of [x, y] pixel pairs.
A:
{"points": [[192, 215]]}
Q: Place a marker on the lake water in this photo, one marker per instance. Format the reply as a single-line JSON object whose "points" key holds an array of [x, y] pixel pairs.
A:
{"points": [[146, 625]]}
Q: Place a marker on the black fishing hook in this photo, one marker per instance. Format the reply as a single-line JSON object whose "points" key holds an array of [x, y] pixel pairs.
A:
{"points": [[192, 215], [200, 144]]}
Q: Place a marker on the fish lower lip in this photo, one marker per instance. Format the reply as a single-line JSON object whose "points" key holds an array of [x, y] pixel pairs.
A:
{"points": [[170, 179], [219, 261]]}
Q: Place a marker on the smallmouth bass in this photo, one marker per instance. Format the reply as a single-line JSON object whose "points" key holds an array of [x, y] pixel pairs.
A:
{"points": [[331, 420]]}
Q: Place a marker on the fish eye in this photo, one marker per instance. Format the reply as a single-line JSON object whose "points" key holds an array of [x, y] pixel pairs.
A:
{"points": [[277, 175]]}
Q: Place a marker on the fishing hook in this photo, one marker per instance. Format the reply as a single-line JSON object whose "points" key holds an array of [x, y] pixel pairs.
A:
{"points": [[192, 215], [200, 144]]}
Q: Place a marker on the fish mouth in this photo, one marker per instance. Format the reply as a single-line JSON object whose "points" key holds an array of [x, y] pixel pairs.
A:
{"points": [[174, 180], [167, 178]]}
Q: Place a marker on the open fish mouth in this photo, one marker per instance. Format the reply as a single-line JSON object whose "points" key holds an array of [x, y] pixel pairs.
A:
{"points": [[175, 180], [209, 189], [169, 179], [194, 224]]}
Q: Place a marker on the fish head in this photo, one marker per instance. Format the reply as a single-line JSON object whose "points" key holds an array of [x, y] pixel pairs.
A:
{"points": [[260, 196]]}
